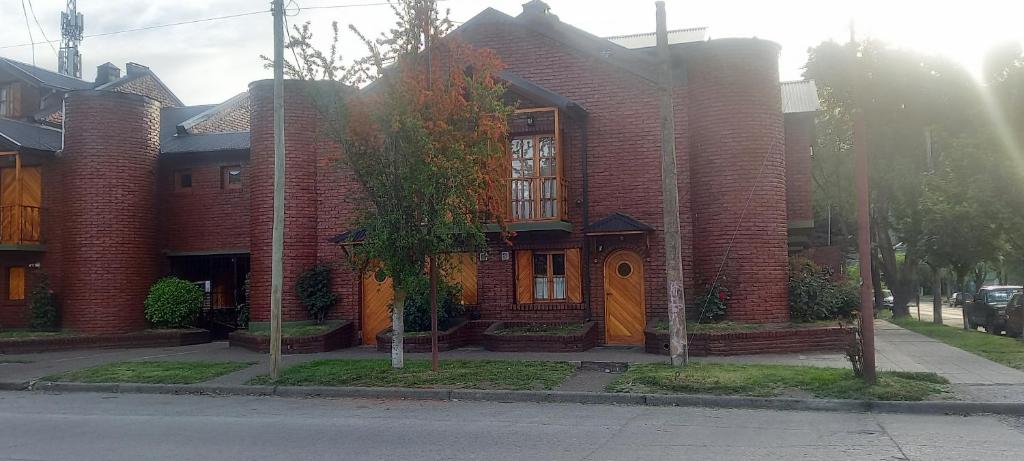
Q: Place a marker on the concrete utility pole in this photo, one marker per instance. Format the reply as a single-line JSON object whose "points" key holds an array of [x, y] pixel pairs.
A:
{"points": [[670, 195], [860, 152], [277, 250]]}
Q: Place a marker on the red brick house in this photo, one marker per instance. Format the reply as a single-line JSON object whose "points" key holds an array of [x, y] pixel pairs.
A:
{"points": [[118, 188]]}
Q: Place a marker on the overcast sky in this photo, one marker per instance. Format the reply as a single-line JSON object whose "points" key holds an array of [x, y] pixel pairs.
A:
{"points": [[212, 61]]}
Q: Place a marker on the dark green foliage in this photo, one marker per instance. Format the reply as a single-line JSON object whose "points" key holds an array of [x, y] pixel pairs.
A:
{"points": [[713, 303], [417, 305], [43, 304], [814, 295], [313, 288], [243, 308], [173, 303]]}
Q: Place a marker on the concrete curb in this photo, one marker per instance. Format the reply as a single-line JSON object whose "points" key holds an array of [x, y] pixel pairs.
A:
{"points": [[597, 398]]}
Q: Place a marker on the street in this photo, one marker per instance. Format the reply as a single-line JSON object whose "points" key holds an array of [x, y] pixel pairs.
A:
{"points": [[952, 316], [35, 426]]}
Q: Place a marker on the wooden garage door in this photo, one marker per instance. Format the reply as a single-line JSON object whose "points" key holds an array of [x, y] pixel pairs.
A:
{"points": [[624, 317]]}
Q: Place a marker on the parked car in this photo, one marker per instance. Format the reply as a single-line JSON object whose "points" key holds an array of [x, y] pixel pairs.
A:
{"points": [[988, 308], [1015, 316], [958, 300], [887, 299]]}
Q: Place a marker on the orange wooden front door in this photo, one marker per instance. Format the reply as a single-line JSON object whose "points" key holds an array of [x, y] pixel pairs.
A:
{"points": [[624, 317], [377, 295]]}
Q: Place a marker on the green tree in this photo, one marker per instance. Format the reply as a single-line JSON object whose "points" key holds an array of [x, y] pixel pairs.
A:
{"points": [[425, 141]]}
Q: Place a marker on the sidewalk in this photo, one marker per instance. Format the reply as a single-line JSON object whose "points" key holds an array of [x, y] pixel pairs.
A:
{"points": [[974, 378]]}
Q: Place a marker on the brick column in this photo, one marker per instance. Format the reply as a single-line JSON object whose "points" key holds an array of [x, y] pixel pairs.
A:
{"points": [[738, 176], [110, 256]]}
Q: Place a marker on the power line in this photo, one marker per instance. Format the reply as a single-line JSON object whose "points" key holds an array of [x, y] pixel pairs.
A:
{"points": [[32, 9], [29, 28]]}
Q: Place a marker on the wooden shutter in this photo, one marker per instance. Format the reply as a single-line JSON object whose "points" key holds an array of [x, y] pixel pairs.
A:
{"points": [[573, 279], [524, 276], [464, 274], [16, 283]]}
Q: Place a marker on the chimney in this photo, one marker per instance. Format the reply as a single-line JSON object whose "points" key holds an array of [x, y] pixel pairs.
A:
{"points": [[106, 73], [133, 68], [537, 8]]}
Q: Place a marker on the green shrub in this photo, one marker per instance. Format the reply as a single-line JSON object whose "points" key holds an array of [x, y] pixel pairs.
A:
{"points": [[417, 305], [43, 305], [313, 288], [243, 308], [713, 303], [814, 295], [173, 303]]}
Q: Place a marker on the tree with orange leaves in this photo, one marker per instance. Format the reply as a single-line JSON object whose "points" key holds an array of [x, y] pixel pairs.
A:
{"points": [[426, 139]]}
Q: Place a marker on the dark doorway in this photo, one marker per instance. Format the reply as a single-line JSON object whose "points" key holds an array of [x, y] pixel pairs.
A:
{"points": [[222, 278]]}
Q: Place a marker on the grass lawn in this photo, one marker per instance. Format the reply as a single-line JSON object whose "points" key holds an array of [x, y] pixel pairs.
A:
{"points": [[150, 372], [288, 330], [1002, 349], [738, 327], [776, 380], [454, 374], [23, 334], [549, 329]]}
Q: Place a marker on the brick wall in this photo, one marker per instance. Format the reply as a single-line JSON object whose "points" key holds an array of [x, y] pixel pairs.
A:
{"points": [[208, 217], [737, 181], [146, 85], [110, 255], [302, 136], [232, 119], [799, 139]]}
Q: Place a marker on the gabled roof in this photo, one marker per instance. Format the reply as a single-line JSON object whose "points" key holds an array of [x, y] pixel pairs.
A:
{"points": [[171, 117], [349, 237], [650, 39], [31, 136], [212, 111], [617, 223], [213, 142], [799, 96], [45, 77], [539, 94], [548, 25], [136, 71]]}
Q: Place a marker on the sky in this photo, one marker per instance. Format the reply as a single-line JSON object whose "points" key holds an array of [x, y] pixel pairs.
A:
{"points": [[209, 62]]}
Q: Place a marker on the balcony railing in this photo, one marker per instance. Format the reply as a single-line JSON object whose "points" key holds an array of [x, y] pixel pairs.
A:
{"points": [[537, 199], [19, 224]]}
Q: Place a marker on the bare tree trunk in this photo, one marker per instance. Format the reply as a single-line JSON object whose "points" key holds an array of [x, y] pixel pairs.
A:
{"points": [[937, 295], [398, 329]]}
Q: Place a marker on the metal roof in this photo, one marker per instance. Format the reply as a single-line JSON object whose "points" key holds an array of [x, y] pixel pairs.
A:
{"points": [[170, 117], [647, 40], [213, 142], [31, 136], [618, 223], [47, 77], [539, 94], [232, 102], [799, 96]]}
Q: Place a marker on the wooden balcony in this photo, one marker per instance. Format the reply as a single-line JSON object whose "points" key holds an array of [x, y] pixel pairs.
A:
{"points": [[20, 225]]}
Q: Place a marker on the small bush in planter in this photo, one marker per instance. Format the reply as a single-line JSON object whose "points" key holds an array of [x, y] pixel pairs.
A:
{"points": [[43, 305], [417, 305], [814, 295], [173, 303], [313, 288], [714, 303], [243, 307]]}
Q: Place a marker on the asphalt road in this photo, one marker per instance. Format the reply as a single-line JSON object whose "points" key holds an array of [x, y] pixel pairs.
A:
{"points": [[36, 426], [950, 316]]}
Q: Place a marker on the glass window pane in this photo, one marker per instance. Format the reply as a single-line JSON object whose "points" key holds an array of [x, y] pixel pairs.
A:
{"points": [[548, 164], [540, 265], [522, 158], [559, 291], [558, 264], [540, 288]]}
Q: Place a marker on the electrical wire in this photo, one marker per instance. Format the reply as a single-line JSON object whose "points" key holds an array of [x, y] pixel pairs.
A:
{"points": [[28, 27], [32, 9]]}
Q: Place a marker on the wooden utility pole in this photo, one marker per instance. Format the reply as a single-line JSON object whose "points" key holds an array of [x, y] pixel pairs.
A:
{"points": [[434, 354], [670, 206], [860, 152], [277, 250]]}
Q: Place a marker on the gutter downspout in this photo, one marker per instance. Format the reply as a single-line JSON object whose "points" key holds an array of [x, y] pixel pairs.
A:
{"points": [[586, 223]]}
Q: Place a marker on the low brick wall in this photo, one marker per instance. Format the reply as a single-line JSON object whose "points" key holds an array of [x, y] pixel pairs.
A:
{"points": [[452, 338], [756, 342], [340, 337], [585, 339], [147, 338]]}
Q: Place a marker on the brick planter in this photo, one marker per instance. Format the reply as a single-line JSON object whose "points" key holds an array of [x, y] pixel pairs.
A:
{"points": [[452, 338], [340, 337], [756, 342], [582, 340], [147, 338]]}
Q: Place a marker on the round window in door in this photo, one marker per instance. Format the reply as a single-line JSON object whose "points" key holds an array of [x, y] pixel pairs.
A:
{"points": [[624, 311]]}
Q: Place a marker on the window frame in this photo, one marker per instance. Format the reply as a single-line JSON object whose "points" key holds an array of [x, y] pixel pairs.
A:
{"points": [[550, 277], [537, 179], [178, 175], [5, 99], [225, 182]]}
